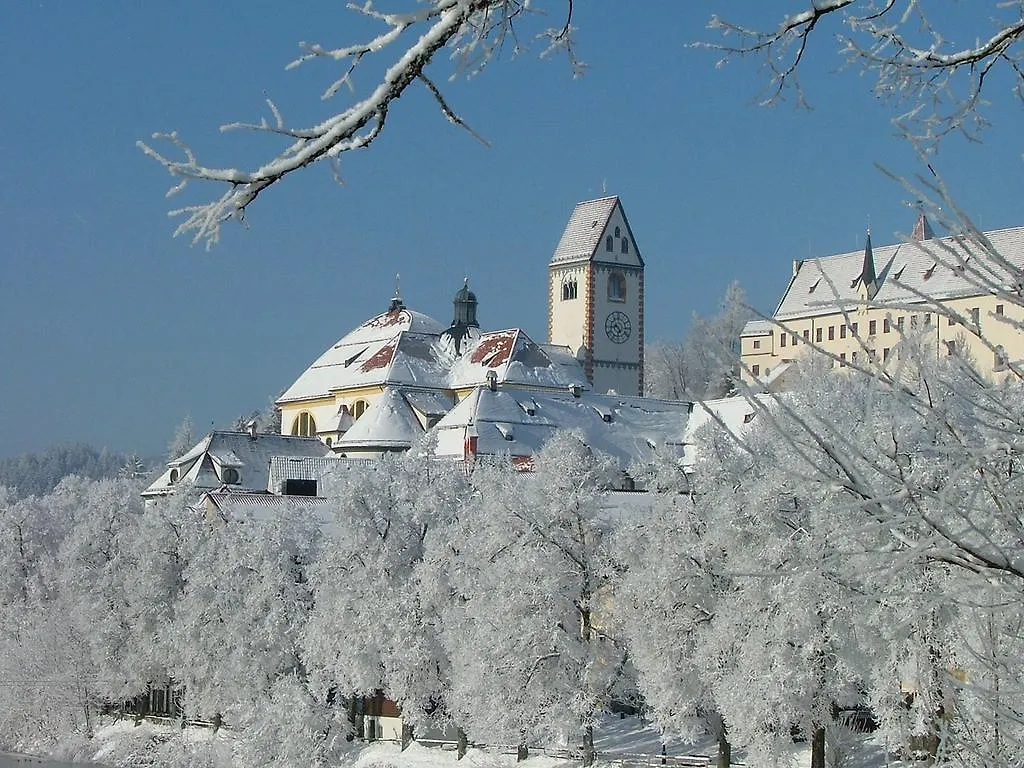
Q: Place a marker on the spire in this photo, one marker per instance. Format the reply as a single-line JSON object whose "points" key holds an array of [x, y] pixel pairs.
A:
{"points": [[396, 300], [867, 272], [922, 229]]}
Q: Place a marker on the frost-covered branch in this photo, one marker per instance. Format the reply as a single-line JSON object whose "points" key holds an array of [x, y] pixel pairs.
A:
{"points": [[475, 30], [931, 71]]}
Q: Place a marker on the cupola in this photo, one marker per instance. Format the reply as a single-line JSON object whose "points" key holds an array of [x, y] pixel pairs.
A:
{"points": [[464, 327]]}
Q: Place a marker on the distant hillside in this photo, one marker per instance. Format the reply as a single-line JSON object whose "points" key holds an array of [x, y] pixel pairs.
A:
{"points": [[39, 473]]}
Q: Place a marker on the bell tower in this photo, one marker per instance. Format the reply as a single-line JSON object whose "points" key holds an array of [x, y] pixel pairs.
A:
{"points": [[596, 296]]}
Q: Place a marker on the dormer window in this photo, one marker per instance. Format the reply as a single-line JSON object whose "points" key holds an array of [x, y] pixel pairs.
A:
{"points": [[173, 477], [609, 243], [359, 408], [230, 476], [616, 287]]}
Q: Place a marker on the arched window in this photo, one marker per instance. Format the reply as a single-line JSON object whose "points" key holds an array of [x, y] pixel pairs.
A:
{"points": [[625, 245], [174, 476], [304, 425], [616, 287], [569, 289], [609, 245], [359, 408], [617, 232]]}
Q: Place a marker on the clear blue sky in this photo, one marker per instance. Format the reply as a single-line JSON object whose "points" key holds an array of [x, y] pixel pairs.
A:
{"points": [[111, 331]]}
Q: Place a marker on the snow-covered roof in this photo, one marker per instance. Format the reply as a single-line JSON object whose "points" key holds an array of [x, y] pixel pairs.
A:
{"points": [[517, 423], [204, 465], [758, 328], [394, 347], [582, 234], [516, 359], [928, 267], [736, 413], [390, 424], [234, 505], [317, 468]]}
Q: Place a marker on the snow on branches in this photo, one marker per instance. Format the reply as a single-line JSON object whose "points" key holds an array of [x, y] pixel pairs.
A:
{"points": [[475, 30]]}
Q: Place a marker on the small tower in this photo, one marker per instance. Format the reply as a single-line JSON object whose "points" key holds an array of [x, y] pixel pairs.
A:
{"points": [[396, 301], [596, 296], [464, 327], [868, 276]]}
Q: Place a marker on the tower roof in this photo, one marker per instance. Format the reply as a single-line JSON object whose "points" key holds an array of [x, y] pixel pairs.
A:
{"points": [[587, 224]]}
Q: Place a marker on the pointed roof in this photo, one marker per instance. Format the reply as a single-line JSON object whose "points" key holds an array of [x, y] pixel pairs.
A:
{"points": [[868, 277], [922, 229], [388, 424], [582, 236]]}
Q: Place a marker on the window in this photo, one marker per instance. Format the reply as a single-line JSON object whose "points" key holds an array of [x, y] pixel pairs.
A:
{"points": [[793, 339], [616, 287], [999, 309], [913, 321], [807, 335], [569, 289], [625, 245], [230, 476], [842, 359], [975, 317], [885, 353], [609, 245], [842, 331], [899, 323], [831, 333], [817, 335], [755, 370], [885, 326], [950, 347], [853, 328], [1000, 362], [299, 487], [872, 327], [359, 408], [853, 357], [757, 343], [782, 339], [871, 355], [304, 425], [617, 232], [175, 474], [927, 319]]}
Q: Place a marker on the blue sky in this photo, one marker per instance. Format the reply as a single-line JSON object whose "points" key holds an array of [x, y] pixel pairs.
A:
{"points": [[111, 330]]}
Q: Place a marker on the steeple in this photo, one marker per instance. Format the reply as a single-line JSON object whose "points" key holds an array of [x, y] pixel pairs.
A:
{"points": [[922, 229], [396, 300], [867, 273]]}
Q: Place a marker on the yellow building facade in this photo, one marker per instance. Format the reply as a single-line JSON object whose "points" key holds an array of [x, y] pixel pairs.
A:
{"points": [[949, 294]]}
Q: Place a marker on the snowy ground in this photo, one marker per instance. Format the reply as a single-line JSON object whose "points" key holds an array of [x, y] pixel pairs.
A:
{"points": [[621, 743]]}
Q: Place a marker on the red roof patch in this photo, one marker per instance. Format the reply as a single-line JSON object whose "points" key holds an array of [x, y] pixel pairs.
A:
{"points": [[388, 319], [494, 349], [381, 358]]}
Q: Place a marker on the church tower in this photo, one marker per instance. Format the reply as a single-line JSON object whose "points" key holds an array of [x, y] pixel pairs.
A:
{"points": [[596, 296]]}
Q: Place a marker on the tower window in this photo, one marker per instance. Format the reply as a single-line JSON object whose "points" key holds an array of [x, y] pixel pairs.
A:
{"points": [[617, 232], [616, 287], [304, 425], [625, 245], [609, 244], [569, 289]]}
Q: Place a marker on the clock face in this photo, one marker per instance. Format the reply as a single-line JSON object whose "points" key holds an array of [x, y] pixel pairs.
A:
{"points": [[618, 327]]}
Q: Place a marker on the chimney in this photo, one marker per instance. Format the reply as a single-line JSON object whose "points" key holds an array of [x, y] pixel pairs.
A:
{"points": [[492, 381], [250, 427], [576, 390]]}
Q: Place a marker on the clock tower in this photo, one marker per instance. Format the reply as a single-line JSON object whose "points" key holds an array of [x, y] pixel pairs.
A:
{"points": [[596, 296]]}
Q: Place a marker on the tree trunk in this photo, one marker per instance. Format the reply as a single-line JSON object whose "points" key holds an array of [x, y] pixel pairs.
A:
{"points": [[522, 753], [724, 750], [588, 745], [406, 735], [818, 747], [461, 743]]}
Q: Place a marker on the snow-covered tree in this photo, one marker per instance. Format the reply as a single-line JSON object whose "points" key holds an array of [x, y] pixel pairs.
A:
{"points": [[704, 365], [532, 574]]}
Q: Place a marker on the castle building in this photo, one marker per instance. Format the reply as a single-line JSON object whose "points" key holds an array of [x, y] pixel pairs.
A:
{"points": [[596, 296], [949, 293]]}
